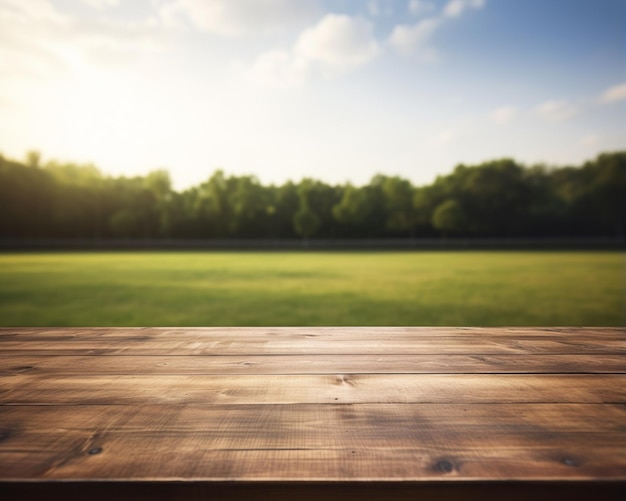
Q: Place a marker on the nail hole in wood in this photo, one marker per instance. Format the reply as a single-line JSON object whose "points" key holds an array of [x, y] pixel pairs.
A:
{"points": [[444, 466], [570, 462]]}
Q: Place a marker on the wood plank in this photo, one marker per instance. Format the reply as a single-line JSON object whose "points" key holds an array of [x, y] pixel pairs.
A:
{"points": [[284, 405], [306, 423], [333, 442], [225, 340], [331, 341], [615, 333], [341, 388], [564, 416], [166, 458], [311, 364], [256, 345]]}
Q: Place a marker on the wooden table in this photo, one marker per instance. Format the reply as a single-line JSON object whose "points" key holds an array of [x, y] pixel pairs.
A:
{"points": [[310, 413]]}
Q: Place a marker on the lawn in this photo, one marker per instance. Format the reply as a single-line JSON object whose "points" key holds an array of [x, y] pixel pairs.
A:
{"points": [[300, 288]]}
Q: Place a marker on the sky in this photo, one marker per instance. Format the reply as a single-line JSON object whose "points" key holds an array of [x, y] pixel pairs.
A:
{"points": [[334, 90]]}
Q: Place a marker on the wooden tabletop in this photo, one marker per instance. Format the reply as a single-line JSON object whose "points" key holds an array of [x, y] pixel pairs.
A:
{"points": [[345, 409]]}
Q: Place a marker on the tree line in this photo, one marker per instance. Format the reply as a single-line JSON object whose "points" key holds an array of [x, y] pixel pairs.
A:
{"points": [[499, 198]]}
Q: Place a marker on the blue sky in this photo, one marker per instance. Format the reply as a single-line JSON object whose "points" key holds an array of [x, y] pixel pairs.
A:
{"points": [[336, 90]]}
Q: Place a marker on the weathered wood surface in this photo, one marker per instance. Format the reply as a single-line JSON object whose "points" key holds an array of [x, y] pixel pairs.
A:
{"points": [[409, 407], [309, 364]]}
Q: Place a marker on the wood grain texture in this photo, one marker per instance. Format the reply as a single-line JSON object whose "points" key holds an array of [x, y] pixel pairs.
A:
{"points": [[310, 341], [302, 438], [310, 364], [416, 408], [314, 332], [319, 389]]}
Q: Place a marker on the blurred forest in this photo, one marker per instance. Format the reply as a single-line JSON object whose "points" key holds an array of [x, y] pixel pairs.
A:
{"points": [[499, 198]]}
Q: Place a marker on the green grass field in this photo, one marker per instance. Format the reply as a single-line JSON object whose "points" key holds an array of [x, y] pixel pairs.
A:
{"points": [[291, 288]]}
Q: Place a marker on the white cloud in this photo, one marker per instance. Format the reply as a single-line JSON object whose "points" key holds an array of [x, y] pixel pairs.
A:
{"points": [[457, 132], [239, 17], [18, 10], [38, 41], [444, 137], [557, 110], [101, 4], [614, 94], [279, 69], [590, 140], [336, 45], [503, 115], [30, 33], [409, 38], [373, 8], [171, 15], [377, 8], [455, 8], [417, 7], [339, 41]]}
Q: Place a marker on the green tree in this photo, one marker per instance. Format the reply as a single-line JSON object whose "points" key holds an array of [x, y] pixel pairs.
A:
{"points": [[211, 207], [320, 198], [33, 158], [375, 223], [398, 195], [26, 200], [306, 222], [605, 193], [124, 223], [287, 202], [425, 201], [159, 184], [499, 198], [249, 204], [353, 207], [449, 217]]}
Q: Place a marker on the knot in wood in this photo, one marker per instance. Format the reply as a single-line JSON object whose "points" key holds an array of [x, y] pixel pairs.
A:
{"points": [[444, 466]]}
